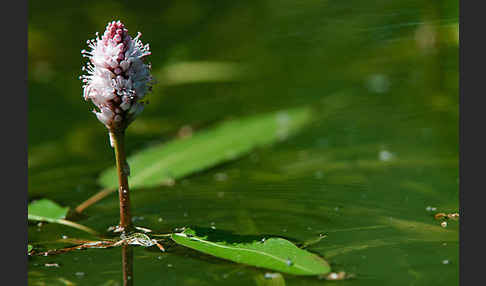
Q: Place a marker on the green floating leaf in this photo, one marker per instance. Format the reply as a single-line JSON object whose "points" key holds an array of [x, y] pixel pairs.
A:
{"points": [[29, 248], [48, 211], [272, 253], [202, 71], [170, 161]]}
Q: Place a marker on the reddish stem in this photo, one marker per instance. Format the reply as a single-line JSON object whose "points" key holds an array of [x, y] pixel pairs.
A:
{"points": [[123, 171]]}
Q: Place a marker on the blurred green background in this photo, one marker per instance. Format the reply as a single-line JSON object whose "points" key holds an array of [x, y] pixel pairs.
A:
{"points": [[382, 150]]}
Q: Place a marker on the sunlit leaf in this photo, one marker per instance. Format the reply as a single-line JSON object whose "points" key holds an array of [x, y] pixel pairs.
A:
{"points": [[170, 161], [48, 211], [272, 253], [195, 72]]}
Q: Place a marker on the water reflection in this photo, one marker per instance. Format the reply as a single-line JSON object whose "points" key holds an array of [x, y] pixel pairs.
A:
{"points": [[127, 265]]}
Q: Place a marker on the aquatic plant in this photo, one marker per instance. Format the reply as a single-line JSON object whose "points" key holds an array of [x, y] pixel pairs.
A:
{"points": [[116, 82]]}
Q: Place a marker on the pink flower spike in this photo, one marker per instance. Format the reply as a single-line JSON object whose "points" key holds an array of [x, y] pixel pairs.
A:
{"points": [[117, 76]]}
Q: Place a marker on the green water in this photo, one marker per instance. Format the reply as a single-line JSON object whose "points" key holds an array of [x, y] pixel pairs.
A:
{"points": [[382, 77]]}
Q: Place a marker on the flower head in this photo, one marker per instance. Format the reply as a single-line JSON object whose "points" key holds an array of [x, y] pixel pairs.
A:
{"points": [[117, 76]]}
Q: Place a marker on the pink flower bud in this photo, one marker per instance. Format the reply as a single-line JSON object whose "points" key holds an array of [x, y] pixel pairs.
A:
{"points": [[124, 65], [117, 76]]}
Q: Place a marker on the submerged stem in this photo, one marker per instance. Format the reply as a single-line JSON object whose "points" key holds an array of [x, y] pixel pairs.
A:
{"points": [[94, 199], [123, 171], [77, 225]]}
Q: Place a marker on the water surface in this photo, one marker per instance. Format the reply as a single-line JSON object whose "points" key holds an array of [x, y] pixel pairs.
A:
{"points": [[381, 152]]}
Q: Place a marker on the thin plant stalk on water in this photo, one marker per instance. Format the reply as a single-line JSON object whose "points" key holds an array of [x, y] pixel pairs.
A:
{"points": [[116, 82]]}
